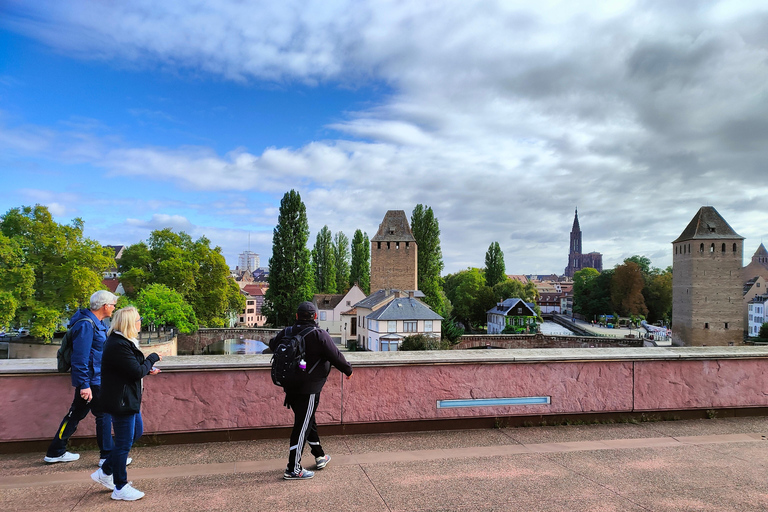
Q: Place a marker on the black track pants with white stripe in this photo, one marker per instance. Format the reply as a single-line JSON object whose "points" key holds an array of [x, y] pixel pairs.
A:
{"points": [[304, 429]]}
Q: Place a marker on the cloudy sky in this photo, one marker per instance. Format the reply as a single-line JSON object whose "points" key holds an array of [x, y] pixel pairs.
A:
{"points": [[503, 116]]}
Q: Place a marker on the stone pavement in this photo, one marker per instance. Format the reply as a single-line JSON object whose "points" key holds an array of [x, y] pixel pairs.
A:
{"points": [[702, 465]]}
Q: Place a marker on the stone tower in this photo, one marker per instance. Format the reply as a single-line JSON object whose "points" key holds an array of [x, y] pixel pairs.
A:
{"points": [[706, 282], [393, 254]]}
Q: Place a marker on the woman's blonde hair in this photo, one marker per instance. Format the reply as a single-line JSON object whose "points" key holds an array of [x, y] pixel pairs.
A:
{"points": [[124, 321]]}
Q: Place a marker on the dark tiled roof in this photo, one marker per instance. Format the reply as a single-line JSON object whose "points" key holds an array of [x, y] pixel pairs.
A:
{"points": [[708, 224], [405, 309], [327, 301], [394, 228], [374, 298], [508, 304]]}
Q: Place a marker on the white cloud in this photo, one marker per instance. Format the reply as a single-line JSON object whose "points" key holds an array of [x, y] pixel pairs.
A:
{"points": [[504, 116]]}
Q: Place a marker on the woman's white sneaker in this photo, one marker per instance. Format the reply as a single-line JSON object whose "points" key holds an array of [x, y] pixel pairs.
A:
{"points": [[105, 480], [127, 493]]}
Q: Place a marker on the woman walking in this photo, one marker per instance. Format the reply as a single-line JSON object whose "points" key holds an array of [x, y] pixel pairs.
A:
{"points": [[123, 366]]}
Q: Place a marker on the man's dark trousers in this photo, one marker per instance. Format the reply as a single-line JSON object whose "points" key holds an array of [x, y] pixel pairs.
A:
{"points": [[77, 412], [304, 429]]}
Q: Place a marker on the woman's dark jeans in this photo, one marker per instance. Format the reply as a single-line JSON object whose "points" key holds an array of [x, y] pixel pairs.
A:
{"points": [[128, 430]]}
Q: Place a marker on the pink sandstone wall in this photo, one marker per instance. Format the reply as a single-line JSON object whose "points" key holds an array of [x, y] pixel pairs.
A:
{"points": [[33, 404], [676, 385]]}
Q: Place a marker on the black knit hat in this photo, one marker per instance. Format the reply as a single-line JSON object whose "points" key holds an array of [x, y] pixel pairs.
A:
{"points": [[306, 311]]}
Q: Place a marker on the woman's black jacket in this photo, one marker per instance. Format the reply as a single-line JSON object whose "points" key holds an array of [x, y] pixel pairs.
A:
{"points": [[122, 367]]}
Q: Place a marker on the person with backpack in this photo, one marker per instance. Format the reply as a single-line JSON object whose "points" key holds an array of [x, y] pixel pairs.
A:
{"points": [[303, 380], [87, 333]]}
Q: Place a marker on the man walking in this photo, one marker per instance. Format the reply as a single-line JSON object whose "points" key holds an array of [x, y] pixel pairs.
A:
{"points": [[88, 335], [321, 352]]}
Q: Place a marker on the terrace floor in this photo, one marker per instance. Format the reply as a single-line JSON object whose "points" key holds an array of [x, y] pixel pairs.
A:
{"points": [[708, 465]]}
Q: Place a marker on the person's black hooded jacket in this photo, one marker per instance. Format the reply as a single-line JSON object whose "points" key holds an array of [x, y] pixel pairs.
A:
{"points": [[321, 350]]}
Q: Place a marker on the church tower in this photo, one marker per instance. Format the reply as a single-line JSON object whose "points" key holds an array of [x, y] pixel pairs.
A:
{"points": [[574, 253], [706, 282], [393, 254]]}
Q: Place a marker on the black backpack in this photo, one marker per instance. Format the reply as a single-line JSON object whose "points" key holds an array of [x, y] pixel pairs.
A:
{"points": [[64, 354], [285, 361]]}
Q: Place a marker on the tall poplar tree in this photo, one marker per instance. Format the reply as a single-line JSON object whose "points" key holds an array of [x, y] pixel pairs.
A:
{"points": [[360, 271], [290, 273], [495, 271], [426, 231], [324, 262], [341, 261]]}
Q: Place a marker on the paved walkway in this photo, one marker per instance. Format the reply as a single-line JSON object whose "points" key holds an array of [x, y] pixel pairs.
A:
{"points": [[703, 465]]}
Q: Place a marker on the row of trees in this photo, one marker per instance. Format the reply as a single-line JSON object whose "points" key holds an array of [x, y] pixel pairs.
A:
{"points": [[296, 273], [633, 288], [48, 270], [175, 280]]}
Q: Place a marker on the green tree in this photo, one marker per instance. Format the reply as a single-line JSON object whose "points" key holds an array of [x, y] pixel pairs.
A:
{"points": [[763, 334], [360, 270], [324, 262], [592, 292], [190, 267], [161, 305], [466, 291], [627, 290], [341, 261], [426, 231], [290, 273], [451, 331], [494, 265], [47, 269], [658, 296], [422, 342]]}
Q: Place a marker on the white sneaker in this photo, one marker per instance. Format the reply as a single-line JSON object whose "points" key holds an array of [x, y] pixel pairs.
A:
{"points": [[127, 493], [67, 457], [105, 480], [102, 461]]}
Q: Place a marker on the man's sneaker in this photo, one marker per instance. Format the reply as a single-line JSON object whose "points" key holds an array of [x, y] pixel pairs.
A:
{"points": [[102, 461], [127, 493], [322, 461], [105, 480], [304, 474], [67, 457]]}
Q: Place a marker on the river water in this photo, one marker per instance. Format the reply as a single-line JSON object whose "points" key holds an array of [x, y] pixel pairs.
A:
{"points": [[553, 329]]}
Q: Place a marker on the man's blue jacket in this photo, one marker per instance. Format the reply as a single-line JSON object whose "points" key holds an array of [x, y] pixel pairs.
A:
{"points": [[87, 347]]}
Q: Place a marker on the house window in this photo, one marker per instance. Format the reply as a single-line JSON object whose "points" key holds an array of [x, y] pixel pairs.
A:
{"points": [[409, 326], [389, 346], [322, 315], [427, 325], [349, 303], [250, 310], [392, 326]]}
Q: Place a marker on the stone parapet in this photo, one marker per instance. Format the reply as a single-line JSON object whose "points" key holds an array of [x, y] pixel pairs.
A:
{"points": [[211, 393]]}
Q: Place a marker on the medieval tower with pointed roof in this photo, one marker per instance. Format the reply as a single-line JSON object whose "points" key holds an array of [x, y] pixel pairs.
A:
{"points": [[576, 259], [706, 282], [758, 267], [393, 254]]}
